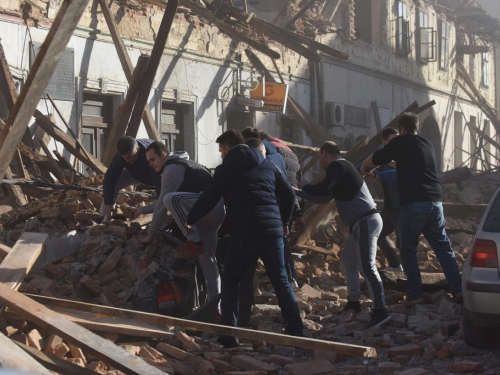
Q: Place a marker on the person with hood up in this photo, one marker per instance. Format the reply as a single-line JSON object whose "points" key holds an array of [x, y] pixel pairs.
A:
{"points": [[182, 182], [249, 185]]}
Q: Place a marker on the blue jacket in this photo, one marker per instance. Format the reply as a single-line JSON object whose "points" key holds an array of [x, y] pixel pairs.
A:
{"points": [[273, 155], [249, 184], [390, 184], [140, 170]]}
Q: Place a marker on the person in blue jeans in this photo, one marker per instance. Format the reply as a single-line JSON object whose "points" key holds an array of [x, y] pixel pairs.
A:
{"points": [[421, 207], [249, 184]]}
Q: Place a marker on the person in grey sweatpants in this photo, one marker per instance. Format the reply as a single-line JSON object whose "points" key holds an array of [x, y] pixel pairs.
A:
{"points": [[182, 181], [357, 209]]}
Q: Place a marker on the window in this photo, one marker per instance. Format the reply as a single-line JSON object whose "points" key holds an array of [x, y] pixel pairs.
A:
{"points": [[97, 119], [367, 20], [444, 44], [485, 79], [402, 30], [289, 130], [171, 126], [425, 39]]}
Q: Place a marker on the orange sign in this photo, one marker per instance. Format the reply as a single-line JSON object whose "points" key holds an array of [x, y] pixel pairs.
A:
{"points": [[274, 96]]}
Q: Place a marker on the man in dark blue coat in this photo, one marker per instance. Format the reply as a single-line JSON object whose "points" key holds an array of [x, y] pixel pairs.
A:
{"points": [[128, 167], [249, 185]]}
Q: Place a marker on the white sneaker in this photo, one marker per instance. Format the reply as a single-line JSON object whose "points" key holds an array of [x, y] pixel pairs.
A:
{"points": [[394, 269]]}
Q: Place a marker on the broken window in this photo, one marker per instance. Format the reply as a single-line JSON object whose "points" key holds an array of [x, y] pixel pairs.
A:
{"points": [[425, 39], [97, 119], [485, 79], [402, 30], [444, 44], [171, 126]]}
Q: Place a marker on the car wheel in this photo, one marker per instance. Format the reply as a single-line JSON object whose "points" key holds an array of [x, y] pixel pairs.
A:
{"points": [[477, 337]]}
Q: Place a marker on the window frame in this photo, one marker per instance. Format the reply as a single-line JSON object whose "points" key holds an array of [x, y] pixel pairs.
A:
{"points": [[485, 69], [423, 26], [444, 60], [403, 37]]}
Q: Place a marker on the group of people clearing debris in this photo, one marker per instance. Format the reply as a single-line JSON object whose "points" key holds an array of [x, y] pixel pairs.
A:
{"points": [[257, 187]]}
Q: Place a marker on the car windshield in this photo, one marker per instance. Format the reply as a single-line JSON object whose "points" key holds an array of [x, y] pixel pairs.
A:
{"points": [[492, 222]]}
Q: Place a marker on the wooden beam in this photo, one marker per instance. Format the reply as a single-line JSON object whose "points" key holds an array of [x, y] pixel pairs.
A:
{"points": [[53, 363], [69, 143], [245, 6], [74, 334], [123, 114], [113, 324], [154, 62], [267, 30], [283, 36], [471, 49], [14, 358], [55, 167], [38, 78], [128, 68], [274, 338], [9, 91], [300, 13], [21, 258], [376, 116], [332, 16], [14, 192], [210, 17]]}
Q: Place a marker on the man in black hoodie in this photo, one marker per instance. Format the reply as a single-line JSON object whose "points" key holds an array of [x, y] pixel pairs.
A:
{"points": [[249, 185]]}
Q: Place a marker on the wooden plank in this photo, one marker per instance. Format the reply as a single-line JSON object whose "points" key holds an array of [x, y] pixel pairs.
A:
{"points": [[332, 16], [74, 334], [301, 12], [274, 338], [38, 78], [68, 127], [285, 37], [471, 49], [202, 12], [69, 143], [376, 116], [9, 91], [14, 192], [113, 324], [128, 68], [154, 62], [123, 114], [14, 358], [51, 362], [21, 258], [57, 170], [315, 249]]}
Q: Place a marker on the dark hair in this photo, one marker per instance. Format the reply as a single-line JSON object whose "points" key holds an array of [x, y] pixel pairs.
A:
{"points": [[387, 132], [250, 132], [158, 147], [126, 145], [330, 148], [409, 122], [254, 143], [230, 138], [265, 135]]}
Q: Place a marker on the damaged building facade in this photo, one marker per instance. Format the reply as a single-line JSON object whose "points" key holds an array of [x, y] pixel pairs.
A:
{"points": [[193, 98], [401, 51]]}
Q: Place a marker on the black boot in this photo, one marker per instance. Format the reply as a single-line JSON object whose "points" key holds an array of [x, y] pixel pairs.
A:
{"points": [[228, 341]]}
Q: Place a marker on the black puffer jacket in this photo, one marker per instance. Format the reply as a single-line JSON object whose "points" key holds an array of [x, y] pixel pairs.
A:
{"points": [[249, 184]]}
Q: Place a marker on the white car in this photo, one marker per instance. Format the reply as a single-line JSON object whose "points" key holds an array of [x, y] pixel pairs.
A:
{"points": [[481, 281]]}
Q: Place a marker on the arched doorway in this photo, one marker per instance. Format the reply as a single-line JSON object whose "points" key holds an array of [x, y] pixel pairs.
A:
{"points": [[430, 130]]}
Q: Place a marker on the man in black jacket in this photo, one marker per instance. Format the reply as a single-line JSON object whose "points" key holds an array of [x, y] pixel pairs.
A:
{"points": [[128, 167], [249, 185], [421, 207]]}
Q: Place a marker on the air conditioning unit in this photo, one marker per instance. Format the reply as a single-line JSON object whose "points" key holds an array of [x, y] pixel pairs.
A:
{"points": [[334, 114]]}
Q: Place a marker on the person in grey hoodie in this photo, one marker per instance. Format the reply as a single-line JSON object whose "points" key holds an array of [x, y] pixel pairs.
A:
{"points": [[182, 182]]}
